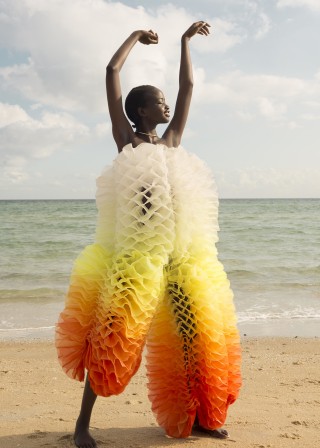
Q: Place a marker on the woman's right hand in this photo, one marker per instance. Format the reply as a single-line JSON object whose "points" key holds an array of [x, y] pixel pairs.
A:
{"points": [[148, 37]]}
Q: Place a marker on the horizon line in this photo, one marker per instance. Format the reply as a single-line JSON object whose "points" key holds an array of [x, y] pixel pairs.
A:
{"points": [[220, 198]]}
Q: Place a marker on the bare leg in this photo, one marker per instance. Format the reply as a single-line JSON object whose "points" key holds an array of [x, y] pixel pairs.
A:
{"points": [[217, 433], [82, 437]]}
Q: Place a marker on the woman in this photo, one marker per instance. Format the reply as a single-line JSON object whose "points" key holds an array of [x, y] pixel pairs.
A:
{"points": [[153, 272]]}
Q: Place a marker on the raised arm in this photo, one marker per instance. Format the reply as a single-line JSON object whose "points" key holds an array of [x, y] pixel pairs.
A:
{"points": [[121, 128], [173, 133]]}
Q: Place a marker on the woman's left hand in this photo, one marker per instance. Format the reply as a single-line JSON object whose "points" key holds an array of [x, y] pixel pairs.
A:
{"points": [[200, 27]]}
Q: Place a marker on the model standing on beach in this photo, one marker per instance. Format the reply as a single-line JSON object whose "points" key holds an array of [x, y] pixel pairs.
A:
{"points": [[153, 274]]}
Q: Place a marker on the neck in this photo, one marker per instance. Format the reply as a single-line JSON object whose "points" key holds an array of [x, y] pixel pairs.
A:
{"points": [[149, 134]]}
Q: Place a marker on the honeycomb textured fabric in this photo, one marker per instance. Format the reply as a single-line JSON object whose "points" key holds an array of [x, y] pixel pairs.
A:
{"points": [[153, 276]]}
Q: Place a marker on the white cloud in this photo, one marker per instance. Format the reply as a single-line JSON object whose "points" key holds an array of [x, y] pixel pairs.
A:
{"points": [[14, 170], [225, 36], [37, 138], [271, 109], [102, 129], [264, 26], [270, 96], [249, 16], [311, 117], [269, 182], [11, 114], [68, 45], [24, 138], [314, 5]]}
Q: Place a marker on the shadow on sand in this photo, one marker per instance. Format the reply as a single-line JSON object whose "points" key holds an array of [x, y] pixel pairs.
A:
{"points": [[145, 437]]}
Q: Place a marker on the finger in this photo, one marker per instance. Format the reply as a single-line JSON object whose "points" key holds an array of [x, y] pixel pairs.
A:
{"points": [[205, 26], [204, 30], [204, 23]]}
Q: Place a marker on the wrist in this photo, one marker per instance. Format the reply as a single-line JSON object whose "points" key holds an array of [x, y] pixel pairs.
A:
{"points": [[137, 34]]}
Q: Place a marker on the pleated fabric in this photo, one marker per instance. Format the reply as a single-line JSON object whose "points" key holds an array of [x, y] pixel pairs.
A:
{"points": [[153, 275]]}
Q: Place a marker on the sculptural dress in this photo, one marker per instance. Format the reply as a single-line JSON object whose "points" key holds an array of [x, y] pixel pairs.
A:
{"points": [[153, 276]]}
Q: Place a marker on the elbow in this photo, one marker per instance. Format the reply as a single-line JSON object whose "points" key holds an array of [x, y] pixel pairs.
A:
{"points": [[111, 68], [187, 84], [190, 83]]}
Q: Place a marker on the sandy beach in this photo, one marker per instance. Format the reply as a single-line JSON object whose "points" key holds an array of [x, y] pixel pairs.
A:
{"points": [[278, 407]]}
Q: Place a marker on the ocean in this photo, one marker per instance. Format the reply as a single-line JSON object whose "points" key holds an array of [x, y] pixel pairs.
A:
{"points": [[270, 249]]}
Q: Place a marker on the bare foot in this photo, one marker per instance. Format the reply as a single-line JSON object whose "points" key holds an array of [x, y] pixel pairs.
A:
{"points": [[82, 437], [217, 433]]}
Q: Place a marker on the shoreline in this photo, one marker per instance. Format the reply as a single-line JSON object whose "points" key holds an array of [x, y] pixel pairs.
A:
{"points": [[278, 405], [302, 328]]}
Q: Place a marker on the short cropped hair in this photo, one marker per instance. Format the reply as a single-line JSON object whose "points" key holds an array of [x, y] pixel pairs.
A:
{"points": [[137, 97]]}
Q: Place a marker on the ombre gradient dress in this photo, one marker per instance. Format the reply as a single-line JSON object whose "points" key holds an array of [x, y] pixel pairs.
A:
{"points": [[153, 276]]}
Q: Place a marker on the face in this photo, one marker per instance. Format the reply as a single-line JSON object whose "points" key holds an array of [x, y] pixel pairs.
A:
{"points": [[156, 108]]}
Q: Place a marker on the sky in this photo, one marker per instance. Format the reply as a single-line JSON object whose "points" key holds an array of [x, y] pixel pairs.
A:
{"points": [[255, 110]]}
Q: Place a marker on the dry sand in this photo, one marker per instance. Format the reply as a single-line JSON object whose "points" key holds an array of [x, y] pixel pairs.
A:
{"points": [[279, 404]]}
